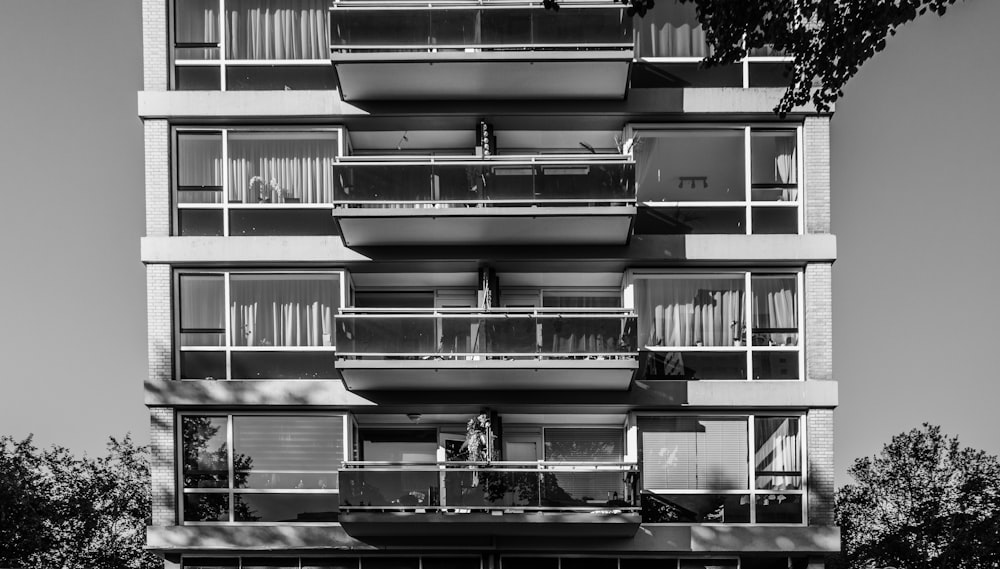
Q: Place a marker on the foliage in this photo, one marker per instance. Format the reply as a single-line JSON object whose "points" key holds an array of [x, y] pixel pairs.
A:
{"points": [[480, 438], [60, 511], [924, 502], [828, 39]]}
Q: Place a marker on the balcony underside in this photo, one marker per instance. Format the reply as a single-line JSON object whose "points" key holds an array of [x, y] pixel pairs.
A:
{"points": [[394, 375], [404, 524], [483, 75], [602, 225]]}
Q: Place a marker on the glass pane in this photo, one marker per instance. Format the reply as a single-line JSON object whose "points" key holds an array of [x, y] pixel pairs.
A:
{"points": [[280, 78], [284, 310], [281, 222], [709, 564], [196, 53], [644, 563], [287, 452], [588, 563], [210, 562], [390, 563], [286, 507], [328, 563], [202, 308], [198, 78], [691, 220], [672, 30], [690, 311], [773, 154], [276, 167], [269, 562], [690, 165], [284, 365], [776, 365], [197, 21], [778, 461], [277, 29], [692, 366], [775, 220], [775, 310], [199, 222], [199, 165], [206, 507], [203, 365], [776, 74], [392, 489], [206, 454], [451, 563], [691, 453], [779, 509], [682, 75], [507, 562], [695, 508]]}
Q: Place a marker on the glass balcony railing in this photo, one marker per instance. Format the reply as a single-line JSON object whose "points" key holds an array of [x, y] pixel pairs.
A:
{"points": [[477, 334], [398, 26], [464, 487], [381, 182]]}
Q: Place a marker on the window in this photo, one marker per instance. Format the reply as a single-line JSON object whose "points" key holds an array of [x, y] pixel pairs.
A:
{"points": [[732, 180], [696, 326], [701, 470], [264, 45], [273, 325], [260, 468], [244, 182]]}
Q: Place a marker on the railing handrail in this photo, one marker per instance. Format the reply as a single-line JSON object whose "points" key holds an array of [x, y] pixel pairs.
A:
{"points": [[541, 465], [341, 203], [444, 4], [511, 159], [492, 313]]}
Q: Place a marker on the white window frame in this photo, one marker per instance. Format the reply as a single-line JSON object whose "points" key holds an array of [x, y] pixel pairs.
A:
{"points": [[228, 346], [628, 300], [224, 206], [751, 489], [231, 491], [633, 132]]}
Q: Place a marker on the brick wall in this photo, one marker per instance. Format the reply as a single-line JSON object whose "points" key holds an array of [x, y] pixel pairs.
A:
{"points": [[819, 440], [161, 446], [154, 45], [158, 322], [816, 142], [157, 141], [819, 320]]}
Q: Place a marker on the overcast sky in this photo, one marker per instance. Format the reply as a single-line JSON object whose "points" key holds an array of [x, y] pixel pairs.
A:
{"points": [[915, 208]]}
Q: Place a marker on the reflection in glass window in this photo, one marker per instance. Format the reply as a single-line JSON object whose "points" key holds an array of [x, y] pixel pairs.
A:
{"points": [[690, 311], [283, 310], [689, 165]]}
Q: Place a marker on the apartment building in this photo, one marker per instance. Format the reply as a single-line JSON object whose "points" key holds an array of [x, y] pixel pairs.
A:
{"points": [[461, 284]]}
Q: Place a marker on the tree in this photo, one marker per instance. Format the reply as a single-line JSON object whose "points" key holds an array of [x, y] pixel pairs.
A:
{"points": [[924, 502], [60, 511], [828, 39]]}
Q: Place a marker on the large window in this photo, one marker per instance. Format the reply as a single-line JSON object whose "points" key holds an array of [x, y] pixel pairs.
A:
{"points": [[672, 43], [257, 325], [705, 326], [698, 469], [260, 468], [251, 45], [255, 182], [735, 180]]}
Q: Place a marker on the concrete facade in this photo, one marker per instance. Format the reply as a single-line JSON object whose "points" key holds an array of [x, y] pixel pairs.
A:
{"points": [[172, 252]]}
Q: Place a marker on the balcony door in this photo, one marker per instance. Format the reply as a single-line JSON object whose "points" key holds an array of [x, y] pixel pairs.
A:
{"points": [[522, 447]]}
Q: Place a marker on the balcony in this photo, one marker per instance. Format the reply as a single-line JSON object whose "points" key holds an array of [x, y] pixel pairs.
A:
{"points": [[495, 349], [492, 499], [585, 200], [480, 50]]}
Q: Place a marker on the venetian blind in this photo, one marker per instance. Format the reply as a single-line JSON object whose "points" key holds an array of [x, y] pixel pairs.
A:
{"points": [[692, 453]]}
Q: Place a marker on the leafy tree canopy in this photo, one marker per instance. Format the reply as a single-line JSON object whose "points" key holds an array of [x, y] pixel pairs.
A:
{"points": [[60, 511], [924, 502], [828, 39]]}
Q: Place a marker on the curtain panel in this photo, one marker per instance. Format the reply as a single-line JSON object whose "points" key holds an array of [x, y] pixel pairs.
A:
{"points": [[777, 456], [286, 312], [689, 312], [267, 29], [280, 170]]}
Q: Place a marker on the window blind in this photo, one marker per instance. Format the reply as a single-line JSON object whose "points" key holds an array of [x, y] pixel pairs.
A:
{"points": [[693, 453]]}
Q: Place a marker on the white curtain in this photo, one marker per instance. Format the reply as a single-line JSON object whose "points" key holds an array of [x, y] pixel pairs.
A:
{"points": [[689, 312], [777, 451], [775, 306], [282, 311], [280, 170], [785, 165], [199, 163], [269, 29]]}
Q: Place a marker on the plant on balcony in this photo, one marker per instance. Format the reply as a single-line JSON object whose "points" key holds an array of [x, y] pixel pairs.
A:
{"points": [[480, 439]]}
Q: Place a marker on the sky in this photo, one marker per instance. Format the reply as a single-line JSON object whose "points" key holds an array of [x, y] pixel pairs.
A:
{"points": [[915, 150]]}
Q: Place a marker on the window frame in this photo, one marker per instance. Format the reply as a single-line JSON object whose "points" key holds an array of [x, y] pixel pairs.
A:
{"points": [[228, 348], [633, 133], [231, 491], [751, 483], [628, 300], [224, 205]]}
